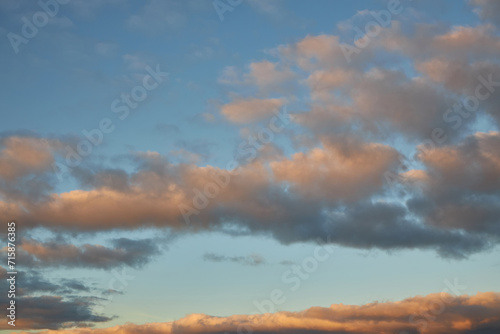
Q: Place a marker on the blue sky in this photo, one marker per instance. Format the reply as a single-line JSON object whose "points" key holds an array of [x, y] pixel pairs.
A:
{"points": [[323, 177]]}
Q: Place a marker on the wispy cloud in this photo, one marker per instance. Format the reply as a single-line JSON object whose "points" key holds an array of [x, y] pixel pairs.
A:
{"points": [[250, 260]]}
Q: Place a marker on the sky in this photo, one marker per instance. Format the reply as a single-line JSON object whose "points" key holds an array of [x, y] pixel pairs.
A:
{"points": [[251, 166]]}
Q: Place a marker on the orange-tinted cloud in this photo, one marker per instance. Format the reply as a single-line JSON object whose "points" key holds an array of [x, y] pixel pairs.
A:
{"points": [[22, 155], [58, 253], [325, 191], [341, 171], [251, 110], [438, 313]]}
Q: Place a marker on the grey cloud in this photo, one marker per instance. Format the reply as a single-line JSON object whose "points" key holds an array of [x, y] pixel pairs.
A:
{"points": [[290, 210], [488, 10], [134, 253], [251, 260], [53, 312], [461, 187], [44, 303], [115, 179]]}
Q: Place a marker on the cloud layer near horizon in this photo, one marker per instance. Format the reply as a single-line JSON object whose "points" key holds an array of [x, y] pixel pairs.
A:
{"points": [[438, 313]]}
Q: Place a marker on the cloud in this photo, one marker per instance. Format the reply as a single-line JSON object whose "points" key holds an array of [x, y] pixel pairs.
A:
{"points": [[312, 52], [26, 167], [479, 81], [32, 282], [267, 76], [322, 82], [460, 185], [453, 314], [50, 304], [390, 99], [464, 39], [358, 119], [115, 179], [24, 155], [371, 95], [344, 170], [358, 116], [251, 110], [333, 192], [53, 312], [186, 156], [488, 10], [134, 253], [250, 260], [381, 102]]}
